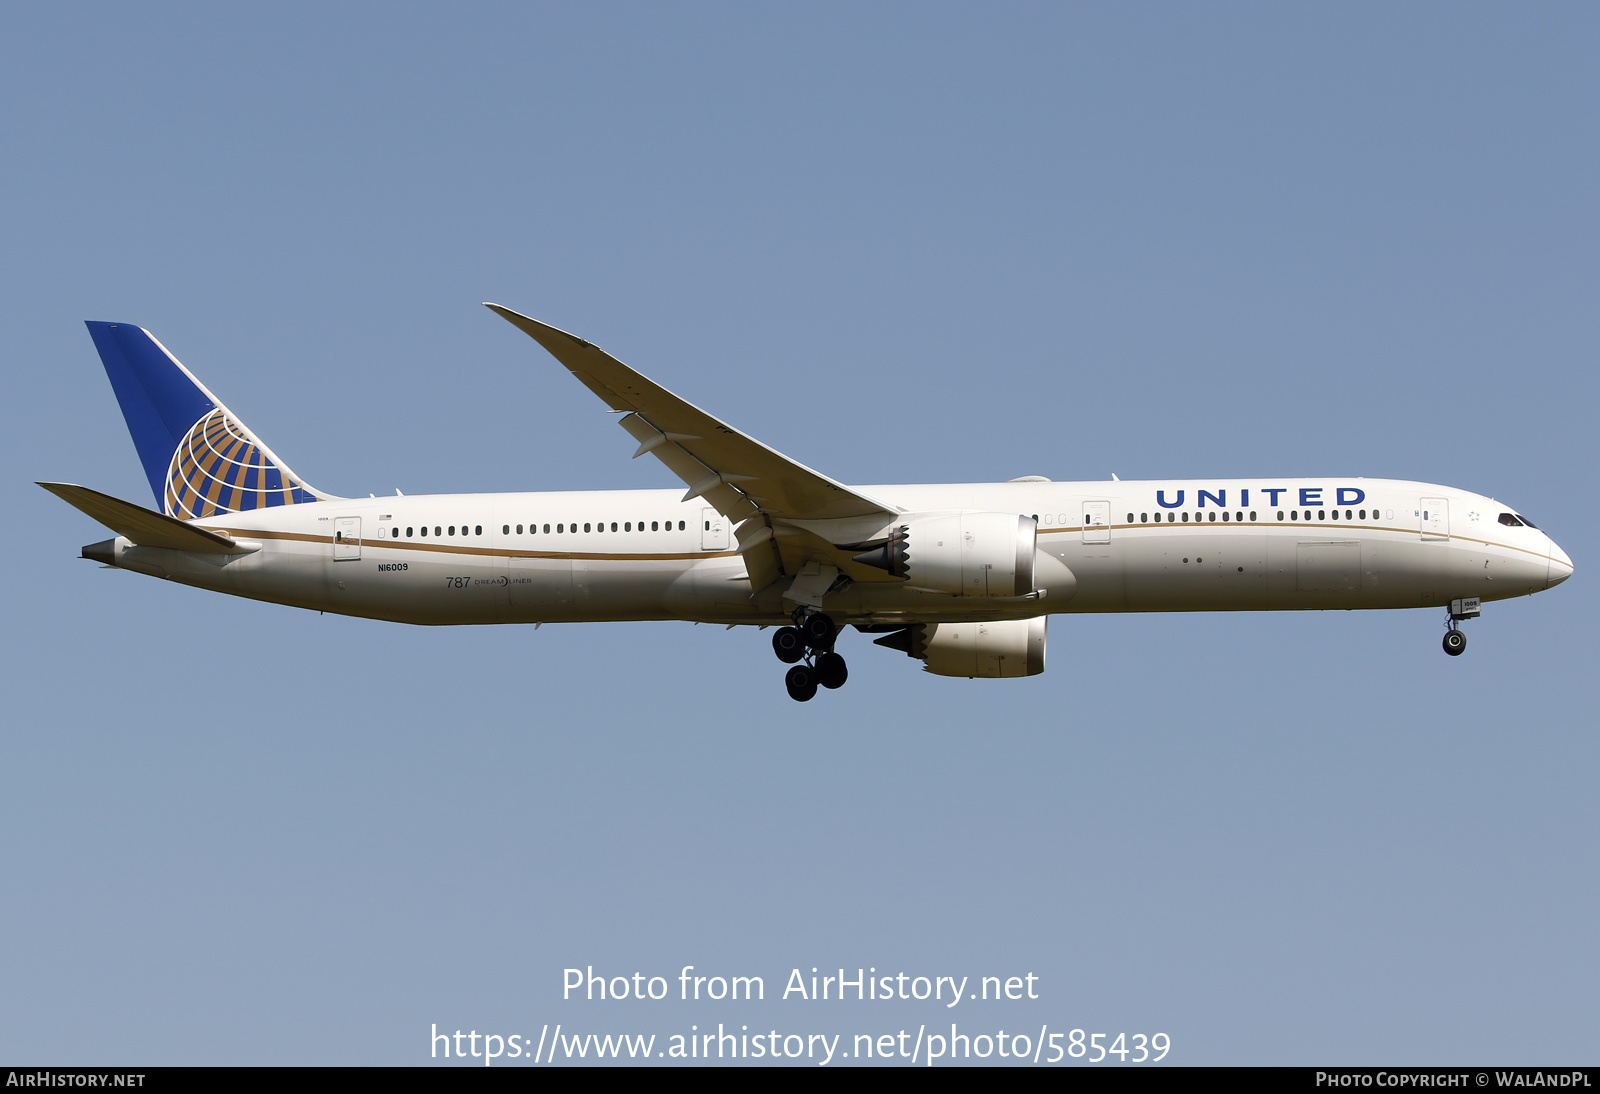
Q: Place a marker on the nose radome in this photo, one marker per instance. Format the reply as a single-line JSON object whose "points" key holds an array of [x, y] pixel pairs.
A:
{"points": [[1560, 566]]}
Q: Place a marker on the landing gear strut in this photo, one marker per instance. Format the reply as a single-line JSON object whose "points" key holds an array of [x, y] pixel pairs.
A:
{"points": [[810, 642]]}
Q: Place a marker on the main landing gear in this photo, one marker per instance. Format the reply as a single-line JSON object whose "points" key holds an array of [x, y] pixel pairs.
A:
{"points": [[810, 642]]}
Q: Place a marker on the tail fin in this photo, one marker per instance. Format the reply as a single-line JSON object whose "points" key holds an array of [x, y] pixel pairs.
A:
{"points": [[199, 457]]}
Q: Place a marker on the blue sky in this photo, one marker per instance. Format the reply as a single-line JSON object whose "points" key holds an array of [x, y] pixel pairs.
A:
{"points": [[901, 243]]}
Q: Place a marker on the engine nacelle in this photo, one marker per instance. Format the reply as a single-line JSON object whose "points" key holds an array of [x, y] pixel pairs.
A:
{"points": [[961, 554], [1000, 649]]}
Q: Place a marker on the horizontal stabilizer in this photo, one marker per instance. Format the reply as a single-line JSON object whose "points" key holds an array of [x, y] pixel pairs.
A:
{"points": [[143, 526]]}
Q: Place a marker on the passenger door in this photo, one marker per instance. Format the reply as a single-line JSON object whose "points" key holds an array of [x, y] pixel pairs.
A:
{"points": [[346, 538], [1433, 516], [713, 531], [1097, 522]]}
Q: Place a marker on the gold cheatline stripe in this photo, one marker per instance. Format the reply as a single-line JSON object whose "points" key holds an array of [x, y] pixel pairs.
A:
{"points": [[600, 556], [1286, 526], [448, 549]]}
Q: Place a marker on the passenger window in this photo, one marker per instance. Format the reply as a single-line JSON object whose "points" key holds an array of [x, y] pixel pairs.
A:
{"points": [[1280, 514], [613, 526], [1294, 514], [1144, 518], [1171, 517], [655, 526], [708, 524], [680, 526], [1130, 518], [1322, 515], [627, 526], [1213, 518], [586, 526], [1186, 518], [560, 528], [547, 529], [437, 531], [1252, 516]]}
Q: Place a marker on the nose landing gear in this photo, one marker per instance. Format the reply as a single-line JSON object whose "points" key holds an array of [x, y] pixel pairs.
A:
{"points": [[809, 641], [1455, 643]]}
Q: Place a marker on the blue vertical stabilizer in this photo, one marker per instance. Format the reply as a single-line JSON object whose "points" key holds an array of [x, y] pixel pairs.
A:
{"points": [[200, 459]]}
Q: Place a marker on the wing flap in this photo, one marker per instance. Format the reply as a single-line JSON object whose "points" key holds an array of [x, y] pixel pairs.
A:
{"points": [[143, 526]]}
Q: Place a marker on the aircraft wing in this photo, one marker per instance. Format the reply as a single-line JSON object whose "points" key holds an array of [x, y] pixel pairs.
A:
{"points": [[735, 473], [146, 527]]}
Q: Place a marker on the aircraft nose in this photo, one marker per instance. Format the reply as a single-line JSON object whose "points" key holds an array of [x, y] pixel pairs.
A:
{"points": [[1560, 566]]}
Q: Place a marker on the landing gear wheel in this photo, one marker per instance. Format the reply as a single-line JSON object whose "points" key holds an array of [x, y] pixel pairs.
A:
{"points": [[830, 671], [1454, 642], [789, 645], [801, 682], [818, 630]]}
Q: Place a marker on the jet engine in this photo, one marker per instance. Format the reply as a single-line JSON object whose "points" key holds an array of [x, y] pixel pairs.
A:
{"points": [[960, 554], [994, 650]]}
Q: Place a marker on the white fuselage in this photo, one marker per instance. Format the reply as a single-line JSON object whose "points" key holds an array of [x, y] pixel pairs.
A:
{"points": [[1200, 545]]}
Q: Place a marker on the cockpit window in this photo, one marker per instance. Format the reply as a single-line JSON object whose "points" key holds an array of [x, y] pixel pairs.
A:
{"points": [[1528, 522], [1510, 520]]}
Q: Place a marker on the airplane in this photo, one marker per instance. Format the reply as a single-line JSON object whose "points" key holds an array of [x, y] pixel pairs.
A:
{"points": [[962, 577]]}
